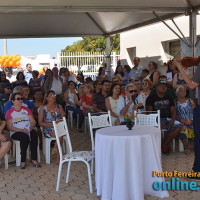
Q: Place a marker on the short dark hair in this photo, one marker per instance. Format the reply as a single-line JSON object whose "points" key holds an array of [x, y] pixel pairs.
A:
{"points": [[35, 72], [28, 64], [88, 79], [17, 77], [104, 81], [128, 68], [112, 87], [162, 76], [14, 95], [71, 82], [35, 91], [145, 70]]}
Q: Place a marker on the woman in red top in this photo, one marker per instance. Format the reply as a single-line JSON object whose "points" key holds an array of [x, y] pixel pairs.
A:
{"points": [[86, 99]]}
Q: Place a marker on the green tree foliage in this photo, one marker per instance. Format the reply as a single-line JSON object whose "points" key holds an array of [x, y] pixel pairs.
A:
{"points": [[93, 44]]}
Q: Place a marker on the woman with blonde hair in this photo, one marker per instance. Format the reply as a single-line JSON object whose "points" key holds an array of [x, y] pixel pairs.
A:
{"points": [[146, 89], [86, 99]]}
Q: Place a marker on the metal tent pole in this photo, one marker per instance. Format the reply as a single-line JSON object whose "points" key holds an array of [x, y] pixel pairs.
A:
{"points": [[193, 33], [108, 59]]}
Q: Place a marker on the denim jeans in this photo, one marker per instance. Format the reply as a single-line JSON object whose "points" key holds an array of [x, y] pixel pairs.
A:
{"points": [[76, 111]]}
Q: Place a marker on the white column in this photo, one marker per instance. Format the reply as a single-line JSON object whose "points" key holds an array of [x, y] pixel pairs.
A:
{"points": [[5, 46], [108, 56], [193, 33]]}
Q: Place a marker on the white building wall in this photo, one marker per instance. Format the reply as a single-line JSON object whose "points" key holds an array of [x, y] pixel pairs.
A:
{"points": [[147, 40]]}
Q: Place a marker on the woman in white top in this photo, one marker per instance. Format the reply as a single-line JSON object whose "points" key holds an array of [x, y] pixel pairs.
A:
{"points": [[171, 71], [111, 103], [72, 102], [70, 96]]}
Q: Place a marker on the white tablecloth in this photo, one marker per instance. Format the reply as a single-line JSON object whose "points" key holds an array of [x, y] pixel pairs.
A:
{"points": [[125, 160]]}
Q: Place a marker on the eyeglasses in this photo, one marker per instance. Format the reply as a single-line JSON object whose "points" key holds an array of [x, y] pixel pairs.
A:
{"points": [[9, 88], [145, 83], [131, 91], [53, 95], [19, 99]]}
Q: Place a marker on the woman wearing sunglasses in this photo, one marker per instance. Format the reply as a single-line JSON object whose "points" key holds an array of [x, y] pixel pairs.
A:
{"points": [[49, 112], [21, 125]]}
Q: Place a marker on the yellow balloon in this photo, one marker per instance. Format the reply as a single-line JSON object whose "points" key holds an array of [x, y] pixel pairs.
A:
{"points": [[1, 60], [17, 63], [7, 60], [11, 63], [18, 57]]}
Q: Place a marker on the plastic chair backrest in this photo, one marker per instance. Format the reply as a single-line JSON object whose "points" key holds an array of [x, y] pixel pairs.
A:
{"points": [[98, 120], [61, 129], [151, 119]]}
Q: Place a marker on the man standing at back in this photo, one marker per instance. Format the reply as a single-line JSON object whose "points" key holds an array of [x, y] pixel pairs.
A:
{"points": [[28, 73], [55, 83], [136, 71]]}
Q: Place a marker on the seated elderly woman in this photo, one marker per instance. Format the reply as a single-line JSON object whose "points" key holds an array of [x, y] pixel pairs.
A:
{"points": [[184, 112], [48, 113], [21, 125], [5, 141], [146, 86]]}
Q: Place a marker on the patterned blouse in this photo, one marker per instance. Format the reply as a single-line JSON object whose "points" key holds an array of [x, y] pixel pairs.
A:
{"points": [[49, 118], [184, 110]]}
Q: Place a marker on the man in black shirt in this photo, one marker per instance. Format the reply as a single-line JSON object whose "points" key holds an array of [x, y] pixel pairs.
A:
{"points": [[165, 103], [98, 101]]}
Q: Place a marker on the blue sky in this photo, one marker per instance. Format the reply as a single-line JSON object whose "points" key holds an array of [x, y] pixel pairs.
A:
{"points": [[35, 46]]}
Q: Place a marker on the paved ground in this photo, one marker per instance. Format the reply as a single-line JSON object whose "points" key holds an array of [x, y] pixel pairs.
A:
{"points": [[38, 184]]}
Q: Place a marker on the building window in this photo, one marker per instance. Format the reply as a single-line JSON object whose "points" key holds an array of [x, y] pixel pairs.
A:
{"points": [[172, 48]]}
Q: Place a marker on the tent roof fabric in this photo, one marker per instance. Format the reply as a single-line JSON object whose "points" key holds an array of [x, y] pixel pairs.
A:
{"points": [[66, 18]]}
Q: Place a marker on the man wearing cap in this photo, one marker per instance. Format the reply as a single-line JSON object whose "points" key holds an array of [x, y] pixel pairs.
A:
{"points": [[165, 103]]}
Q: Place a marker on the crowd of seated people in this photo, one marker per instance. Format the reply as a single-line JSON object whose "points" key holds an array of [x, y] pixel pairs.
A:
{"points": [[50, 96]]}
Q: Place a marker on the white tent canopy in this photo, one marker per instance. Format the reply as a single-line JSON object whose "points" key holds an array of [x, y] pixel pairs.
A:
{"points": [[65, 18]]}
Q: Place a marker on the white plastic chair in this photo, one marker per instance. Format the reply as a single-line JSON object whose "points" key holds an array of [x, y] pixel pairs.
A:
{"points": [[5, 161], [61, 129], [98, 120], [86, 122], [17, 152], [148, 119], [46, 146], [70, 117]]}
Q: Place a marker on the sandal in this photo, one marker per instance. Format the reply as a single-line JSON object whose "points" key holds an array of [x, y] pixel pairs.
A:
{"points": [[23, 166], [35, 165]]}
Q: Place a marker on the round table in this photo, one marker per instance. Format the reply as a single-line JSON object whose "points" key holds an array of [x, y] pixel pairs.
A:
{"points": [[125, 160]]}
